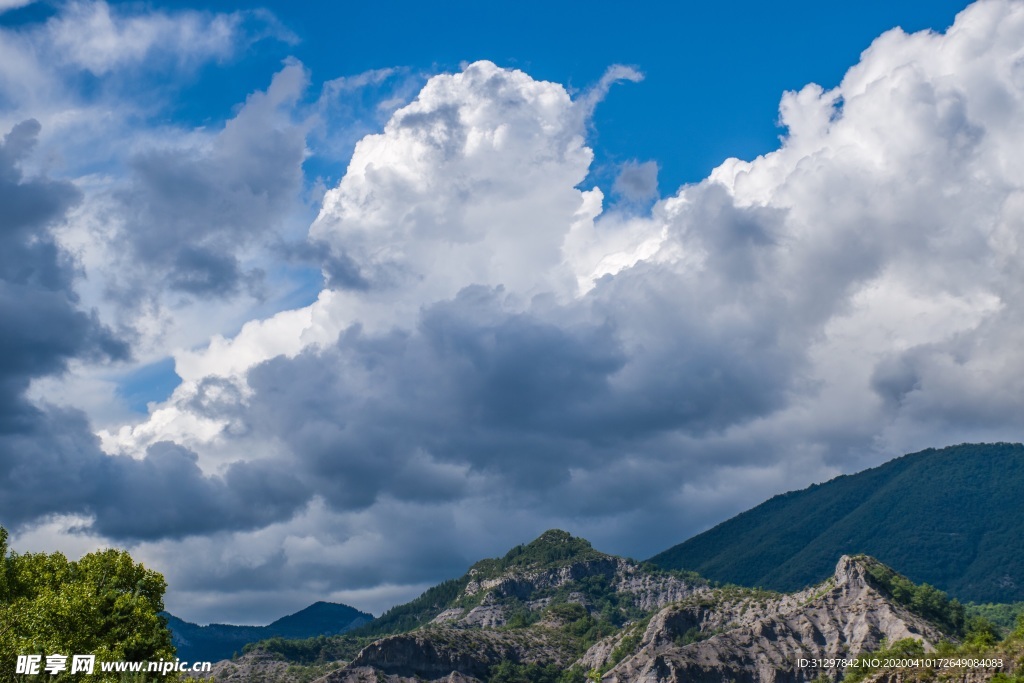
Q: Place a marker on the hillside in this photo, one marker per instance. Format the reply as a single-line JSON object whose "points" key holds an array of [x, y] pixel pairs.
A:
{"points": [[553, 569], [558, 611], [545, 603], [949, 517], [220, 641]]}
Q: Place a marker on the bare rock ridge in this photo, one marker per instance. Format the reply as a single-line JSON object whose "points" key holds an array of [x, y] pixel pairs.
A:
{"points": [[557, 602], [535, 588], [762, 640]]}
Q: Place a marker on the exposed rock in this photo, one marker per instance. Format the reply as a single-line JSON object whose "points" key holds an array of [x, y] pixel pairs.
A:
{"points": [[260, 667], [646, 591], [439, 652], [692, 632], [762, 640]]}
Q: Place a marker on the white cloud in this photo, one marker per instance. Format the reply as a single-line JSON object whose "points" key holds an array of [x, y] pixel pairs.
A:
{"points": [[6, 5], [91, 36], [473, 182]]}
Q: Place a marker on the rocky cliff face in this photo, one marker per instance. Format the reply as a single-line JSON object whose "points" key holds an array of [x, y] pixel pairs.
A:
{"points": [[756, 639], [696, 633], [533, 588], [507, 611], [437, 652]]}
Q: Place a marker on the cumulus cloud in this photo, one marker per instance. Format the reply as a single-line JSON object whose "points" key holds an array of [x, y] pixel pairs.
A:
{"points": [[497, 353], [44, 328], [190, 211], [170, 216], [49, 449], [484, 165]]}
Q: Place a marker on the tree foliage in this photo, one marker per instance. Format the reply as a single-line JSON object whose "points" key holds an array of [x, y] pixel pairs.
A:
{"points": [[415, 613], [1004, 615], [515, 672], [927, 601], [104, 604], [316, 650]]}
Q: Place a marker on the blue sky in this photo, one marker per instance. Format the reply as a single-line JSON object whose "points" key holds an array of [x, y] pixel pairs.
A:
{"points": [[372, 291], [713, 72]]}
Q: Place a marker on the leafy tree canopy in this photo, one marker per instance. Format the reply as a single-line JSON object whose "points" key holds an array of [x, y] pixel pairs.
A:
{"points": [[104, 604]]}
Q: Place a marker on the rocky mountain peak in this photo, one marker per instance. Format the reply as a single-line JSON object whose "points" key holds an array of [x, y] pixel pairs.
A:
{"points": [[758, 636], [851, 571], [553, 548], [557, 602]]}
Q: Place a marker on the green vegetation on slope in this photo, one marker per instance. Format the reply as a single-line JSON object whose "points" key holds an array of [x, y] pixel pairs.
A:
{"points": [[416, 613], [948, 517], [220, 641], [312, 651], [980, 643], [552, 549], [1003, 616], [512, 672], [926, 601], [104, 605]]}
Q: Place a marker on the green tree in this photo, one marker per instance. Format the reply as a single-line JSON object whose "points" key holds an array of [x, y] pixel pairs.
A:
{"points": [[981, 634], [105, 604]]}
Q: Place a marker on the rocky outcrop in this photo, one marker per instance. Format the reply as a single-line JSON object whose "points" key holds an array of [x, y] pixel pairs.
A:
{"points": [[261, 667], [752, 639], [438, 653], [692, 633], [645, 590]]}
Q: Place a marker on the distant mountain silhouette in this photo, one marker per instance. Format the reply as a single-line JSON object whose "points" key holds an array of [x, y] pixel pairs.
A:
{"points": [[221, 641]]}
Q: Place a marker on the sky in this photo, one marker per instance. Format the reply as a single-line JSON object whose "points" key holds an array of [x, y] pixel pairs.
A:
{"points": [[326, 301]]}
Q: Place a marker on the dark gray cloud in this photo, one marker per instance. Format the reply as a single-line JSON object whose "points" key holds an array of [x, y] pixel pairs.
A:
{"points": [[528, 398], [340, 270], [191, 214], [43, 326], [50, 461], [55, 466], [165, 495]]}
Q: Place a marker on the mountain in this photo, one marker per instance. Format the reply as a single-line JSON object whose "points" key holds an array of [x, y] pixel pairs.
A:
{"points": [[949, 517], [558, 611], [220, 641], [553, 569], [541, 605], [732, 634]]}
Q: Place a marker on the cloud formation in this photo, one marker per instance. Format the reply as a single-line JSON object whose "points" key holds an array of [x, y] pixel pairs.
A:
{"points": [[48, 449], [190, 212], [43, 326], [497, 353]]}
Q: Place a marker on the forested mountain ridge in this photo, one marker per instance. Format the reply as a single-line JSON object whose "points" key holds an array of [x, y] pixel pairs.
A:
{"points": [[542, 603], [557, 611], [550, 570], [220, 641], [949, 517]]}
